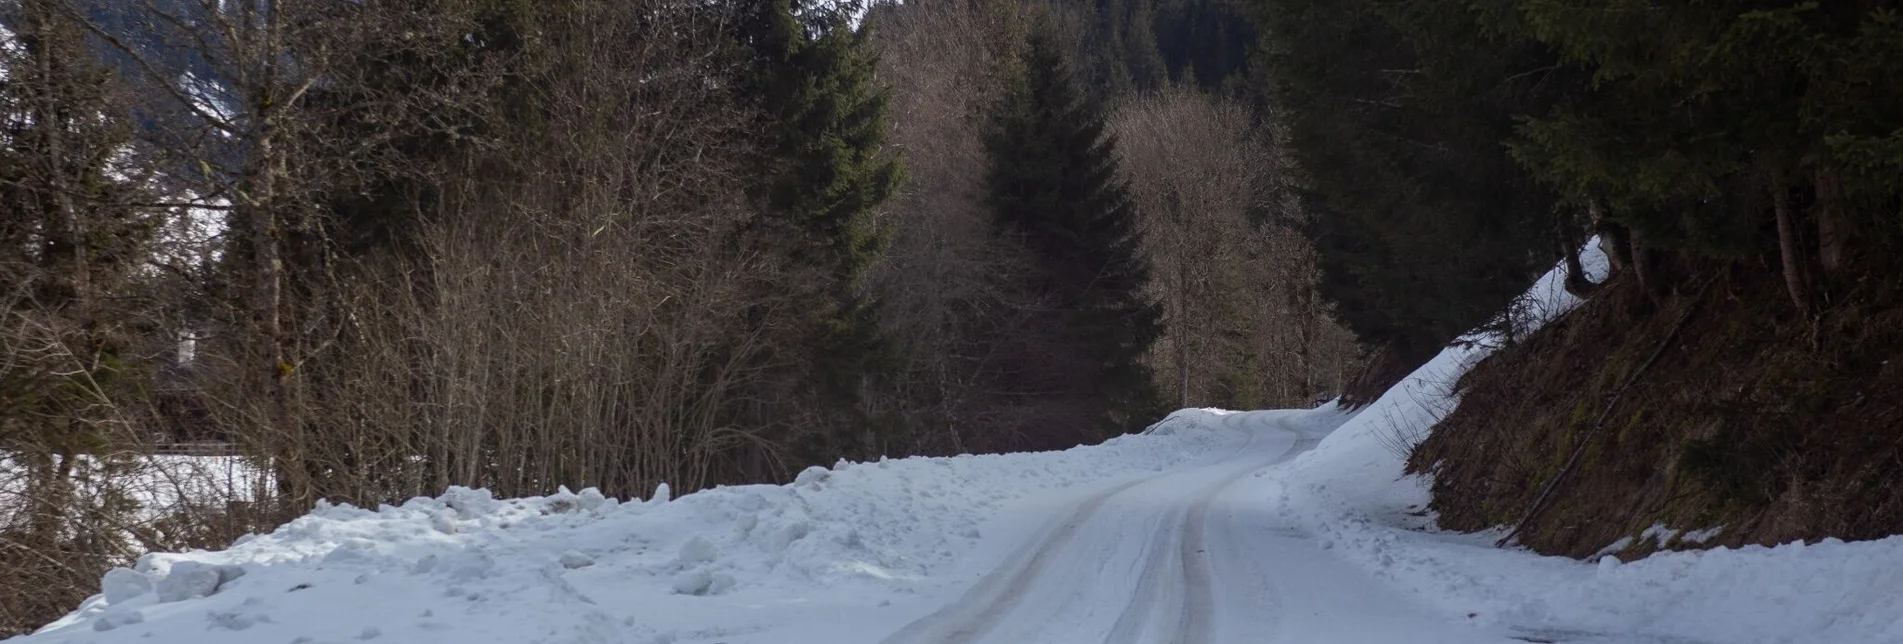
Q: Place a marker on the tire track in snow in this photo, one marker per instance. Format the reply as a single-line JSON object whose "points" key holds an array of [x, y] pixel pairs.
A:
{"points": [[1189, 530], [1198, 617], [983, 607], [1143, 603], [1176, 579]]}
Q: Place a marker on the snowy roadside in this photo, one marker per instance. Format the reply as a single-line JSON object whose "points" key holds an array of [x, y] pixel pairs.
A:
{"points": [[581, 568], [1352, 495]]}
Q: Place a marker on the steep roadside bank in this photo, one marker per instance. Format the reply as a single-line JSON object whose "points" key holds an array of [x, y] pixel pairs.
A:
{"points": [[1710, 417]]}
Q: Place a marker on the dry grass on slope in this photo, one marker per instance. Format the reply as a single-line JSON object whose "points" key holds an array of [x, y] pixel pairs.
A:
{"points": [[1749, 418]]}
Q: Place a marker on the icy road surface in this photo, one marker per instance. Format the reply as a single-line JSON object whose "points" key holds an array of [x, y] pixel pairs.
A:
{"points": [[1189, 556]]}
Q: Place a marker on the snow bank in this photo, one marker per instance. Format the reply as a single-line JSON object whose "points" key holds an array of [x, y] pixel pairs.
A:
{"points": [[578, 567], [1351, 493]]}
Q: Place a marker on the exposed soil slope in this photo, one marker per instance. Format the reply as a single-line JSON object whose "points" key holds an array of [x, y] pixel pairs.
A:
{"points": [[1750, 418]]}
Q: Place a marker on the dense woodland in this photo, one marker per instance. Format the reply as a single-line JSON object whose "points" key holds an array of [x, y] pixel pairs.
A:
{"points": [[374, 249]]}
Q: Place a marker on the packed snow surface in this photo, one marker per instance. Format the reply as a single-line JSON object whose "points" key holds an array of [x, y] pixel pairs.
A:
{"points": [[1214, 526]]}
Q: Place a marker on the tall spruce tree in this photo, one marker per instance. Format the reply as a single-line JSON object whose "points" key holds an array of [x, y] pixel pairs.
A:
{"points": [[1396, 112], [1053, 185], [826, 176]]}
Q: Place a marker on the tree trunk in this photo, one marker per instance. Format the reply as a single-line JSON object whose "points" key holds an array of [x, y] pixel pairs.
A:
{"points": [[267, 294], [1832, 232], [1569, 247], [64, 225], [1182, 328], [1614, 239], [1788, 249], [1306, 341], [1644, 268]]}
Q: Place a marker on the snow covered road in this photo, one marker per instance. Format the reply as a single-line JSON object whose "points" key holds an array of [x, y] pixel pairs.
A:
{"points": [[1145, 542], [1188, 556]]}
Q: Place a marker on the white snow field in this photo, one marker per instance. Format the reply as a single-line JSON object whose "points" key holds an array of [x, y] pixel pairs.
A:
{"points": [[1292, 527]]}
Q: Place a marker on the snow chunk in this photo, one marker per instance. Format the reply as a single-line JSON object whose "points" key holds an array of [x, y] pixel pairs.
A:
{"points": [[697, 550], [121, 584], [812, 477], [1609, 563], [701, 582], [591, 499], [191, 580], [561, 502], [469, 503], [693, 582], [572, 560], [1701, 536], [114, 619]]}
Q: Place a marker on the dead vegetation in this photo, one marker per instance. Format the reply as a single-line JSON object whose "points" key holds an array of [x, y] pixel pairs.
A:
{"points": [[1750, 419]]}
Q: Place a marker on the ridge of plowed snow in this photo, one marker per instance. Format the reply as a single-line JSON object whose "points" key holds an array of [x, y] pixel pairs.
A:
{"points": [[471, 568]]}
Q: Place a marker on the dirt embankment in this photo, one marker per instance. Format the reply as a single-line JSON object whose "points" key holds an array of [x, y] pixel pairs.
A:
{"points": [[1739, 414]]}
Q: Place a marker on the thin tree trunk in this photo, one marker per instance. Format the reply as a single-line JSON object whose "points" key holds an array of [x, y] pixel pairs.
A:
{"points": [[1641, 258], [1306, 339], [1832, 233], [267, 317], [1788, 251], [1182, 328], [50, 120], [1569, 247], [1614, 239]]}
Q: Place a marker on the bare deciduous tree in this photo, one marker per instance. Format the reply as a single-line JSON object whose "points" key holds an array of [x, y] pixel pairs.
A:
{"points": [[1243, 324]]}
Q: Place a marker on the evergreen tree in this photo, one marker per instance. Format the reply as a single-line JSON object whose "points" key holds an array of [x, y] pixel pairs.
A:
{"points": [[826, 176], [1726, 130], [72, 241], [1205, 41], [74, 319], [1053, 185], [1133, 46], [1424, 226], [459, 63]]}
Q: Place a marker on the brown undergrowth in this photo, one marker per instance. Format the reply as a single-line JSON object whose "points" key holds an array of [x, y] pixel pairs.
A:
{"points": [[1752, 418]]}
